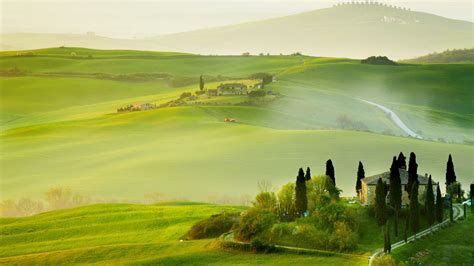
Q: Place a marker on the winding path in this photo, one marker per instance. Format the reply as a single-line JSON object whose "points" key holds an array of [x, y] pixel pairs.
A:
{"points": [[394, 117], [457, 213]]}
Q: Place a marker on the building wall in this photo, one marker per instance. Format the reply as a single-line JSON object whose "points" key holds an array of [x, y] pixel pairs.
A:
{"points": [[367, 195]]}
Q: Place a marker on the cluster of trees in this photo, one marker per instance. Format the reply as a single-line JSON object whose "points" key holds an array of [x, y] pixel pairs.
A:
{"points": [[432, 206], [307, 213], [378, 60], [55, 198]]}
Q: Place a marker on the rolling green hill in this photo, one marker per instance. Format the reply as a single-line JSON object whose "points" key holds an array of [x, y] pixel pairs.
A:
{"points": [[125, 234], [350, 30], [60, 126]]}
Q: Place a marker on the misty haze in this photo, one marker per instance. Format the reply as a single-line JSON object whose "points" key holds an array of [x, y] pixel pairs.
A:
{"points": [[236, 132]]}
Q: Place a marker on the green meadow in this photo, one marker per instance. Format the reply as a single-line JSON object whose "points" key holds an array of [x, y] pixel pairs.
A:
{"points": [[60, 126], [131, 234]]}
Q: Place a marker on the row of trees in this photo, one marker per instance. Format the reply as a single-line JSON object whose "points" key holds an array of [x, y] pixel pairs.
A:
{"points": [[433, 207]]}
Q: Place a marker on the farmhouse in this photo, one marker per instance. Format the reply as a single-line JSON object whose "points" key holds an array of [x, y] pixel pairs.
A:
{"points": [[232, 89], [366, 195], [212, 92]]}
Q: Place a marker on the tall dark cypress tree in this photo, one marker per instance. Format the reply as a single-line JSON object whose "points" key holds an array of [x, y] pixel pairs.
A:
{"points": [[360, 176], [439, 205], [395, 191], [402, 163], [412, 172], [450, 174], [301, 200], [414, 209], [395, 185], [307, 176], [429, 203], [201, 83], [330, 171], [380, 208]]}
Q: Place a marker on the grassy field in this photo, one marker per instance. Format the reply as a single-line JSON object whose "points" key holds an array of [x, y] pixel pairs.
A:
{"points": [[451, 246], [63, 130], [130, 234]]}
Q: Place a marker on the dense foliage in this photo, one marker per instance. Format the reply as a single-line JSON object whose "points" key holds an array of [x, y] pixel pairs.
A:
{"points": [[378, 60], [213, 226]]}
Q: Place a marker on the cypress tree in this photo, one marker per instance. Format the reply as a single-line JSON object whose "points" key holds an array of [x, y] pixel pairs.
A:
{"points": [[380, 208], [450, 174], [389, 245], [307, 176], [407, 223], [395, 190], [429, 203], [439, 205], [360, 176], [300, 193], [201, 83], [402, 161], [412, 172], [414, 209], [330, 171]]}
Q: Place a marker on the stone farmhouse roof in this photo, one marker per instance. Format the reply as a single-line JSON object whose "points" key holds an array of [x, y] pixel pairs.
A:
{"points": [[372, 180]]}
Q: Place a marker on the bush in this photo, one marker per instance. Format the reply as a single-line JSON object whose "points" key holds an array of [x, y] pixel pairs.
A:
{"points": [[265, 200], [185, 95], [213, 227], [257, 93], [254, 222], [343, 238], [378, 60]]}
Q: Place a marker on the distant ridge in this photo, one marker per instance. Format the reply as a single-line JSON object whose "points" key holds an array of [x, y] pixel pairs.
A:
{"points": [[349, 29], [448, 56]]}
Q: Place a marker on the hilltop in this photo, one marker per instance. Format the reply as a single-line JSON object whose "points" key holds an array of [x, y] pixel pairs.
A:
{"points": [[348, 30], [448, 56]]}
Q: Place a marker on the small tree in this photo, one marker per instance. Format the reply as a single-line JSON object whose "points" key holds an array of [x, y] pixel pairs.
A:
{"points": [[450, 174], [380, 208], [360, 176], [429, 203], [439, 205], [414, 209], [201, 83], [301, 200], [402, 161], [412, 173], [307, 176], [330, 171]]}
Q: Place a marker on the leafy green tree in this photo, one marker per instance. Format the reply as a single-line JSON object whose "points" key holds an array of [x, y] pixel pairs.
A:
{"points": [[301, 200], [286, 202], [380, 208], [414, 208], [450, 174], [439, 205], [201, 83], [330, 171], [307, 176], [266, 200], [402, 161], [412, 172], [429, 203], [360, 176]]}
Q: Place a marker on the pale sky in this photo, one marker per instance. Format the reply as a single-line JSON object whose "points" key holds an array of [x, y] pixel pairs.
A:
{"points": [[129, 19]]}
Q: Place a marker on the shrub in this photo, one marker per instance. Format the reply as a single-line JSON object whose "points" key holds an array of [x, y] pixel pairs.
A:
{"points": [[185, 95], [212, 227], [257, 93], [343, 238], [254, 222]]}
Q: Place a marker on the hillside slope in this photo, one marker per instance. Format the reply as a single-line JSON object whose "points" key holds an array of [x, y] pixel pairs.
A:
{"points": [[448, 56], [124, 234], [356, 30]]}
